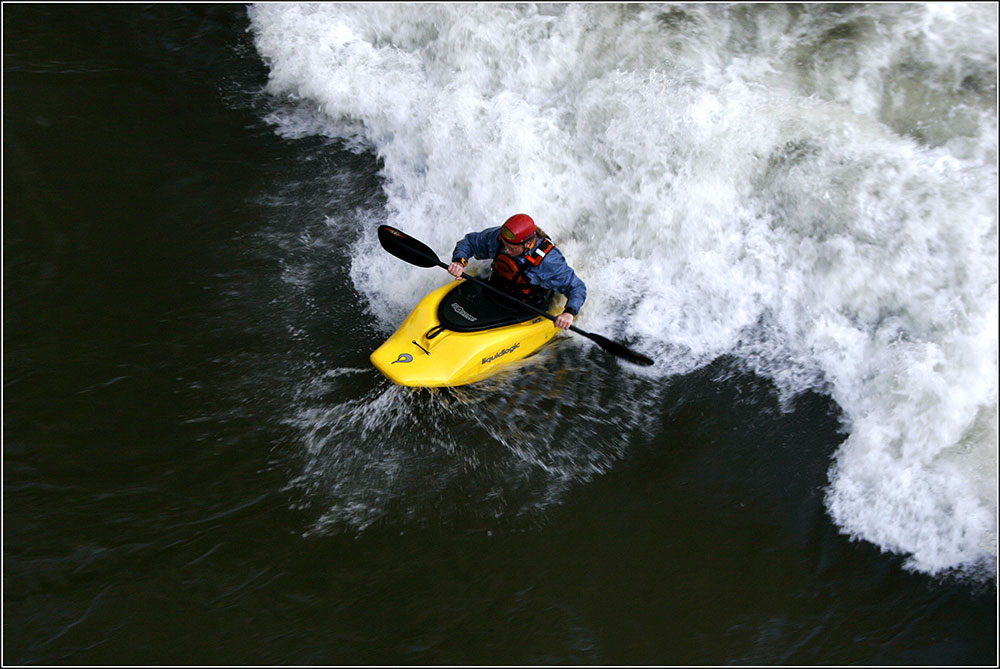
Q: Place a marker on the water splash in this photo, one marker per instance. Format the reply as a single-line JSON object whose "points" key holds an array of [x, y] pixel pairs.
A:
{"points": [[811, 188], [512, 446]]}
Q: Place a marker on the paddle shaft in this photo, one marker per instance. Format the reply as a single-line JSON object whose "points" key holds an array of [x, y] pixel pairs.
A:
{"points": [[603, 342], [417, 253], [510, 298]]}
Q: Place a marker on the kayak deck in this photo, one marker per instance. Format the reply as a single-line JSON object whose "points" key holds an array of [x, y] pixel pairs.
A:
{"points": [[459, 334]]}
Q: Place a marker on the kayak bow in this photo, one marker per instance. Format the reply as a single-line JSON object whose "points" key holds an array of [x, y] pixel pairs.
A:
{"points": [[459, 334]]}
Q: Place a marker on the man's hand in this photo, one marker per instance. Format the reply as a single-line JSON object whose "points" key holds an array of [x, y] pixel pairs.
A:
{"points": [[564, 320], [456, 269]]}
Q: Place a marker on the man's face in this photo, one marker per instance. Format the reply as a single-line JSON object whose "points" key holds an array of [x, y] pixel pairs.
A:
{"points": [[513, 250]]}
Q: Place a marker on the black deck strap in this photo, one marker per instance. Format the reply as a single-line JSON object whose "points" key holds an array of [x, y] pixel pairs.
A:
{"points": [[433, 332]]}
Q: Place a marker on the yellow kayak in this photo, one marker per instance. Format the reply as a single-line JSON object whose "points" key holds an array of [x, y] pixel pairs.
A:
{"points": [[459, 334]]}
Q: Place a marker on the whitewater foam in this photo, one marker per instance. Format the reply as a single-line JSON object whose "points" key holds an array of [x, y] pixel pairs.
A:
{"points": [[811, 188]]}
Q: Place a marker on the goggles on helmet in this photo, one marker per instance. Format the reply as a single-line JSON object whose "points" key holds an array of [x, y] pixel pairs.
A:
{"points": [[518, 229]]}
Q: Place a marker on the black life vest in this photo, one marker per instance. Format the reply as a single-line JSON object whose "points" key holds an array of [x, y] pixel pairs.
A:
{"points": [[509, 277]]}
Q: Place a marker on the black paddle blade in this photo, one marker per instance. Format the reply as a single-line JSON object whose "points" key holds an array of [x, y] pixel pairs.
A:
{"points": [[406, 247], [617, 349]]}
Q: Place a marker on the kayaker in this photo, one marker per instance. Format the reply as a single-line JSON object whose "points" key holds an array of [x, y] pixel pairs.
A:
{"points": [[526, 264]]}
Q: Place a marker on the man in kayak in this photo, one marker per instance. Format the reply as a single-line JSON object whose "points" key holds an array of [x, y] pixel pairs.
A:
{"points": [[526, 265]]}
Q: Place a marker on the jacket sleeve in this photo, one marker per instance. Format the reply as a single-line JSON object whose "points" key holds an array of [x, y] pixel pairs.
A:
{"points": [[555, 273], [482, 245]]}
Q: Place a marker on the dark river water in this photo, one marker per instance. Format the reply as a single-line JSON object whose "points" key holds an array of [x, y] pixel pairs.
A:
{"points": [[200, 466]]}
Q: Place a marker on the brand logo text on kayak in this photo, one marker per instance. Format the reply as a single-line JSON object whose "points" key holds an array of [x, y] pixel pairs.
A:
{"points": [[463, 313], [501, 353]]}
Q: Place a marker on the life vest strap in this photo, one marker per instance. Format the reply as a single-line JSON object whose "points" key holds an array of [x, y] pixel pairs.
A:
{"points": [[537, 254]]}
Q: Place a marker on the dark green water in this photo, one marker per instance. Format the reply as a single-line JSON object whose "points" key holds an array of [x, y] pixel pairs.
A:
{"points": [[191, 475]]}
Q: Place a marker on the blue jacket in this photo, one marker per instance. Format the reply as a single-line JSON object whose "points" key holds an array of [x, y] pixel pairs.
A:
{"points": [[553, 272]]}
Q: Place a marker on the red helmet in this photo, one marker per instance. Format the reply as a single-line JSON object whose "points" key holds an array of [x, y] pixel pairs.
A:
{"points": [[517, 229]]}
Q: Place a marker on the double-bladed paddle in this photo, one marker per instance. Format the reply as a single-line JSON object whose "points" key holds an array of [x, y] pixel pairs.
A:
{"points": [[417, 253]]}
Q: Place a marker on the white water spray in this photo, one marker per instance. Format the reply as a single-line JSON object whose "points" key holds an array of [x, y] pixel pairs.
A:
{"points": [[811, 188]]}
